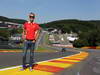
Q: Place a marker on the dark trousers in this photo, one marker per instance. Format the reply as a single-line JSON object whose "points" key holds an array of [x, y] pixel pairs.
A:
{"points": [[28, 45]]}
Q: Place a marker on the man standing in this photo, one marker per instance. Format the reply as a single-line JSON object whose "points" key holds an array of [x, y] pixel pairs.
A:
{"points": [[30, 35]]}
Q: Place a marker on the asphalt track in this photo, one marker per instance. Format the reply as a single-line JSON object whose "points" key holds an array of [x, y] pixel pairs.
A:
{"points": [[50, 67], [89, 66], [92, 65], [14, 59]]}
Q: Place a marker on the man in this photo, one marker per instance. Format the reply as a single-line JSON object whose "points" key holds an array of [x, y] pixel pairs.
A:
{"points": [[30, 35]]}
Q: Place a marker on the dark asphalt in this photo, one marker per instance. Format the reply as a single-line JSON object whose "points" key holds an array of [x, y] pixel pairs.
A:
{"points": [[92, 66], [15, 59]]}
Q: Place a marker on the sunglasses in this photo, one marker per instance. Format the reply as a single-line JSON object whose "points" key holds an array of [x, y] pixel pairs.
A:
{"points": [[31, 16]]}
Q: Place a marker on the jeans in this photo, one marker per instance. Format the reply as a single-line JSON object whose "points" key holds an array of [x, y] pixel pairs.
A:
{"points": [[31, 46]]}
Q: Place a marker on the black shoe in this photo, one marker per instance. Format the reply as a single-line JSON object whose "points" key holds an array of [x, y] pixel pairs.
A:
{"points": [[23, 68]]}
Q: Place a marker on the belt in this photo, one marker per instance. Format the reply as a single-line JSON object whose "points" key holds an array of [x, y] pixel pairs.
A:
{"points": [[31, 40]]}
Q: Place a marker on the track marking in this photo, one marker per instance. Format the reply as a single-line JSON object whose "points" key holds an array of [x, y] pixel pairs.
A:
{"points": [[37, 62]]}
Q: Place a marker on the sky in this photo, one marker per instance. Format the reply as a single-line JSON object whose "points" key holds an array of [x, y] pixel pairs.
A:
{"points": [[51, 10]]}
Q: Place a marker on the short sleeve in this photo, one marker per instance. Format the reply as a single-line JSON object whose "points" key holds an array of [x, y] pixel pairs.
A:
{"points": [[37, 27], [24, 26]]}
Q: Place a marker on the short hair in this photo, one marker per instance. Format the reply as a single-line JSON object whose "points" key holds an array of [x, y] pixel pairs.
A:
{"points": [[31, 14]]}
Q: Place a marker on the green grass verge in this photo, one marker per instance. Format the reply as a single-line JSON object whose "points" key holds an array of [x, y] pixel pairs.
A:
{"points": [[41, 49]]}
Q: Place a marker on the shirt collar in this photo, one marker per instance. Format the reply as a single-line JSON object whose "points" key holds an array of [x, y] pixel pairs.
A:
{"points": [[30, 22]]}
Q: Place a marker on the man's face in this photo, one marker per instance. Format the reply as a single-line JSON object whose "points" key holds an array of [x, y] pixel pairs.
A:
{"points": [[31, 18]]}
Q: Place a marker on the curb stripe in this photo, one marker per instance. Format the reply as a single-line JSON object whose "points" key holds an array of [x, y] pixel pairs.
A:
{"points": [[47, 68], [72, 59], [58, 61], [61, 65]]}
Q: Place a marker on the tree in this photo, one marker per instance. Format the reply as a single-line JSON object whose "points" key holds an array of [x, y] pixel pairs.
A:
{"points": [[90, 38], [5, 33]]}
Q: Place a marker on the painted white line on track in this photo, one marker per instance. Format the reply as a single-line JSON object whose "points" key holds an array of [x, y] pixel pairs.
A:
{"points": [[37, 62]]}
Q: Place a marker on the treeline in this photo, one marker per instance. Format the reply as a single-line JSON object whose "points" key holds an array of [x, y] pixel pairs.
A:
{"points": [[5, 19], [87, 31], [5, 33], [76, 26]]}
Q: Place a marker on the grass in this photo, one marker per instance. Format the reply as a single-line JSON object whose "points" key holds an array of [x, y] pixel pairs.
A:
{"points": [[47, 38], [43, 49]]}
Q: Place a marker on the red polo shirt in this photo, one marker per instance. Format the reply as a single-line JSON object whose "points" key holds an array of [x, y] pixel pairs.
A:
{"points": [[30, 29]]}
